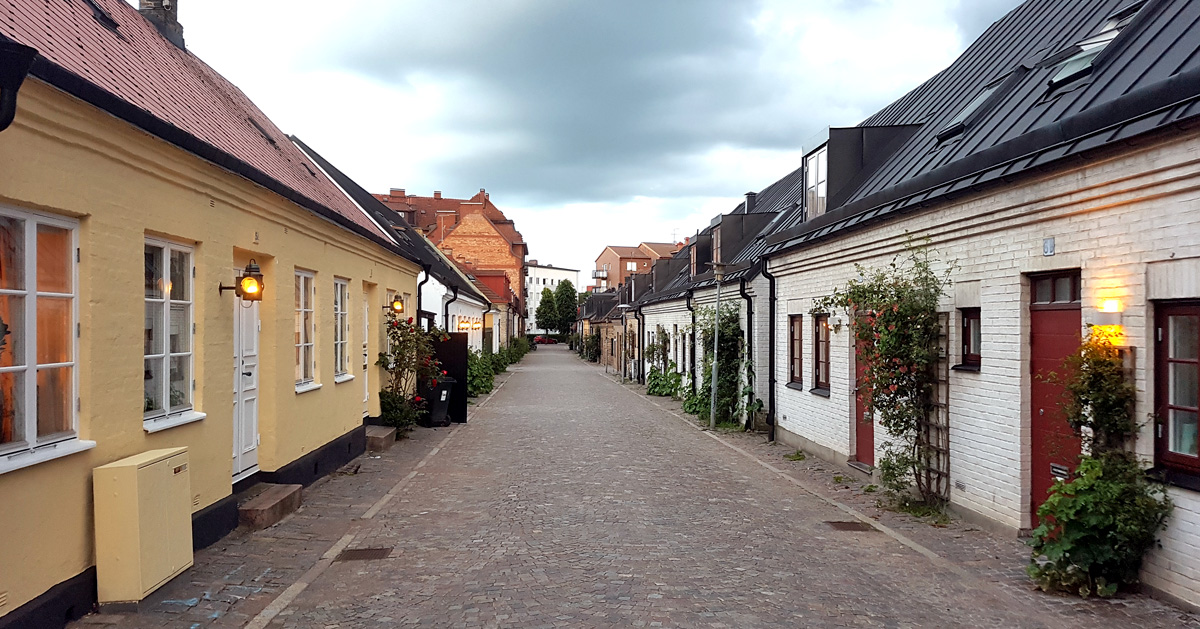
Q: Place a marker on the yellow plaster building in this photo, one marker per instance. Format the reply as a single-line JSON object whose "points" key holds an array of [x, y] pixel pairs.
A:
{"points": [[134, 181]]}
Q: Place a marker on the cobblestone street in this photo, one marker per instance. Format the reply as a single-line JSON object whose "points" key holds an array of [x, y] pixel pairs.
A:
{"points": [[570, 500]]}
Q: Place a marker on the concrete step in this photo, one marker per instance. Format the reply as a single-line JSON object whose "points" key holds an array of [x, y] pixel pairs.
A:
{"points": [[380, 438], [271, 505]]}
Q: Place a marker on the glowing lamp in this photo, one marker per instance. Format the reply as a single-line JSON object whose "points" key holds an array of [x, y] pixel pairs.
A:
{"points": [[478, 325], [397, 305], [464, 325], [249, 286], [1110, 313]]}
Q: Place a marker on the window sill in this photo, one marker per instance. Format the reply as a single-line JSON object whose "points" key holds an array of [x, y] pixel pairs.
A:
{"points": [[159, 424], [966, 367], [795, 386], [823, 392], [26, 458], [346, 377], [307, 386], [1175, 477]]}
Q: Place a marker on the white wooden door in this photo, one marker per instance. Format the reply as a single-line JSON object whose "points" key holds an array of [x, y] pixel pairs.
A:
{"points": [[245, 387], [366, 372]]}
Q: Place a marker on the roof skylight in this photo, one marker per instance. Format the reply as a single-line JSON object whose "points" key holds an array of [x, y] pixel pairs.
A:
{"points": [[1080, 63]]}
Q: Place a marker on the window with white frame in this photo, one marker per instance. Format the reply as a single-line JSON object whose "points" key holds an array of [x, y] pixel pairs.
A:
{"points": [[815, 181], [341, 326], [37, 331], [167, 352], [631, 266], [305, 328]]}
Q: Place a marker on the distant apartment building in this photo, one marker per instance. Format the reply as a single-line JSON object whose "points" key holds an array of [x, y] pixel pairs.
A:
{"points": [[616, 263], [538, 277]]}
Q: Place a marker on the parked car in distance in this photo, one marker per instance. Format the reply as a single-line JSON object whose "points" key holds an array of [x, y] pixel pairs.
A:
{"points": [[545, 340]]}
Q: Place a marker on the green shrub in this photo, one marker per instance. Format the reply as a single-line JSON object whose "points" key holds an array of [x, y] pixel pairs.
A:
{"points": [[398, 411], [664, 383], [480, 378], [591, 349], [1096, 527], [498, 360]]}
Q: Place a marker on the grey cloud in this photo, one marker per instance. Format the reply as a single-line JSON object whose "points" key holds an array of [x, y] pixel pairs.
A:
{"points": [[600, 100]]}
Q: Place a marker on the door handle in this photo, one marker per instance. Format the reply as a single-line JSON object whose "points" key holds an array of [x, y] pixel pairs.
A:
{"points": [[247, 373]]}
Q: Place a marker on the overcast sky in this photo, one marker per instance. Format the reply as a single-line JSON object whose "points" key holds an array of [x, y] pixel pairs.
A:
{"points": [[590, 123]]}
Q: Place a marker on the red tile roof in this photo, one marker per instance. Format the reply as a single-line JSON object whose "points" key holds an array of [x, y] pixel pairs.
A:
{"points": [[137, 65], [628, 252]]}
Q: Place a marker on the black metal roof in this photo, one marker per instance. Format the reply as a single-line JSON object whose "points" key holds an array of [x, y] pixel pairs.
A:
{"points": [[774, 203], [410, 241], [1145, 80]]}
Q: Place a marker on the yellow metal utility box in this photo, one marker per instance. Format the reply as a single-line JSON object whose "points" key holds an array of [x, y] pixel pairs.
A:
{"points": [[143, 523]]}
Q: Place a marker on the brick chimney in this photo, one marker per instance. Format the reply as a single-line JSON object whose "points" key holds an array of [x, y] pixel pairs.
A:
{"points": [[164, 14], [397, 193], [437, 194]]}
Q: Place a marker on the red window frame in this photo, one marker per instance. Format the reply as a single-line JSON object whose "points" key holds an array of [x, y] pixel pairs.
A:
{"points": [[821, 351], [796, 347], [1162, 379], [971, 356]]}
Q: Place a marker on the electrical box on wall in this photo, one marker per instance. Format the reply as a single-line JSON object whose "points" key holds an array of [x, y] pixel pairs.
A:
{"points": [[143, 508]]}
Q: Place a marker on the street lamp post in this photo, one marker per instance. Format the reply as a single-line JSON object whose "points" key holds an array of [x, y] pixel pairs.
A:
{"points": [[718, 274]]}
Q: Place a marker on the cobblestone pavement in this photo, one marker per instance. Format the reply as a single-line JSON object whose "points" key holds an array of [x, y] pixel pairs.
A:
{"points": [[570, 500]]}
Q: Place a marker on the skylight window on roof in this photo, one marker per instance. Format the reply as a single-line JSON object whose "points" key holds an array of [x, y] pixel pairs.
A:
{"points": [[102, 16], [958, 124], [1080, 64]]}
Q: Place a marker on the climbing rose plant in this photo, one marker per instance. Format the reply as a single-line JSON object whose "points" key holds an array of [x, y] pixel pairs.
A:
{"points": [[893, 310], [410, 365]]}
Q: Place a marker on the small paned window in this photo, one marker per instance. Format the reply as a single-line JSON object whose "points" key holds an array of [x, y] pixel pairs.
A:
{"points": [[1177, 380], [821, 351], [37, 331], [815, 180], [341, 327], [631, 266], [167, 359], [971, 338], [1061, 288], [716, 245], [305, 328], [796, 347]]}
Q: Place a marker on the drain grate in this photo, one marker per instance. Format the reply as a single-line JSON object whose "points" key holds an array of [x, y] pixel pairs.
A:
{"points": [[363, 554], [851, 526]]}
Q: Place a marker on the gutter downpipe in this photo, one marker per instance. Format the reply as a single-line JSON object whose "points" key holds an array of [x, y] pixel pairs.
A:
{"points": [[641, 344], [424, 267], [771, 353], [15, 62], [692, 369], [484, 322], [749, 343], [446, 310]]}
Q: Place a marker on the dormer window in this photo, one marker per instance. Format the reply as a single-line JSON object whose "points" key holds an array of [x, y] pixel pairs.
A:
{"points": [[1079, 64], [815, 188], [716, 245]]}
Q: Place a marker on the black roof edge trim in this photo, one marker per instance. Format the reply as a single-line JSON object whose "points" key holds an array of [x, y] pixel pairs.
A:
{"points": [[92, 94], [1161, 95]]}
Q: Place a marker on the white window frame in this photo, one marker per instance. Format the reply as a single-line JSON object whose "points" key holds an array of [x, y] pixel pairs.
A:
{"points": [[816, 182], [307, 290], [341, 330], [168, 417], [29, 452]]}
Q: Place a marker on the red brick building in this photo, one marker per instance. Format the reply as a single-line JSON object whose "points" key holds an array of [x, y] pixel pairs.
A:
{"points": [[616, 263], [474, 231]]}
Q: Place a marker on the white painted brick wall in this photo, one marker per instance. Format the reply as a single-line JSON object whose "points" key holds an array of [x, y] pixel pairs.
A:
{"points": [[1110, 218]]}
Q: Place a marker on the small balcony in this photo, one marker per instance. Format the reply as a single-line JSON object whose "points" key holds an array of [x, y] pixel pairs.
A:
{"points": [[600, 274]]}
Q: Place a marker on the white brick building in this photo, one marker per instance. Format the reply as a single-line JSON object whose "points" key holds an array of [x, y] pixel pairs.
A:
{"points": [[538, 277]]}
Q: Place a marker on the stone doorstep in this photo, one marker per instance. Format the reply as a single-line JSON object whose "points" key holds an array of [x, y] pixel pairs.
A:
{"points": [[270, 506], [380, 438]]}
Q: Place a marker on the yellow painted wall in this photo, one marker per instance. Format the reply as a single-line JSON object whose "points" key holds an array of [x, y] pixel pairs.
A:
{"points": [[64, 157]]}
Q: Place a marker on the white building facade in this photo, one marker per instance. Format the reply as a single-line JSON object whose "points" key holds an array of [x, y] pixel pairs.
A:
{"points": [[538, 277]]}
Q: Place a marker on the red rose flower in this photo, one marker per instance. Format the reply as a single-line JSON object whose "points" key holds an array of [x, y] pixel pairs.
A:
{"points": [[434, 383], [417, 399], [410, 319], [444, 372]]}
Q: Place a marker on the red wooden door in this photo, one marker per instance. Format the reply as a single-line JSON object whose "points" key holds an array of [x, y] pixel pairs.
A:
{"points": [[1054, 333], [864, 426]]}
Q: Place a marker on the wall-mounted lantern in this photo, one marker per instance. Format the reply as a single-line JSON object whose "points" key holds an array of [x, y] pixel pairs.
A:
{"points": [[464, 325], [478, 325], [1110, 313], [397, 305], [249, 286]]}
